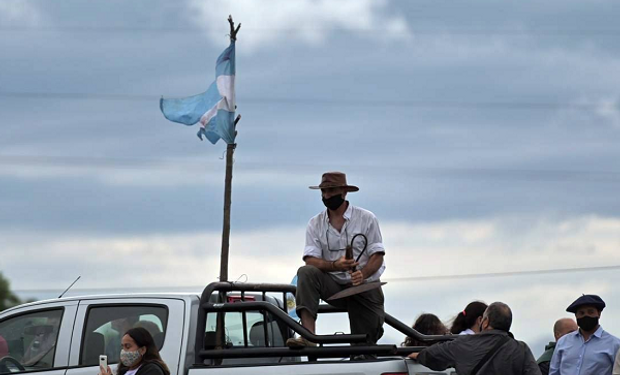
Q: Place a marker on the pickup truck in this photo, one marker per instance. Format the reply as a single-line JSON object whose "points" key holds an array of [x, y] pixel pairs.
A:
{"points": [[66, 336]]}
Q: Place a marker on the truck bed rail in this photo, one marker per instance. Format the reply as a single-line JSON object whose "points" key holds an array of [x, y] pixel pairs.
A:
{"points": [[281, 315]]}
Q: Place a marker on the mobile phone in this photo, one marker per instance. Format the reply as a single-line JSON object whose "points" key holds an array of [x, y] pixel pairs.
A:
{"points": [[103, 362]]}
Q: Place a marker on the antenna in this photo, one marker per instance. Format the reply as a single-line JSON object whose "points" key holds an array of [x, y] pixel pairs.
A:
{"points": [[66, 290]]}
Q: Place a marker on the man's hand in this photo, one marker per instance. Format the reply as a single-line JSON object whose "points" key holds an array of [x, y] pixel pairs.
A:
{"points": [[344, 264], [357, 277], [413, 355]]}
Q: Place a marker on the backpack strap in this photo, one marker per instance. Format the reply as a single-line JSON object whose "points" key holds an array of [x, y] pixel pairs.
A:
{"points": [[489, 354]]}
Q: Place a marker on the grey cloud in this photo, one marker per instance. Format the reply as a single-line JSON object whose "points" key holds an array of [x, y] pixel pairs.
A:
{"points": [[73, 205]]}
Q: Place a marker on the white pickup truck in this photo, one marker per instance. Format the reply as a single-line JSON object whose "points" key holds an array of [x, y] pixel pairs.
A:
{"points": [[66, 336]]}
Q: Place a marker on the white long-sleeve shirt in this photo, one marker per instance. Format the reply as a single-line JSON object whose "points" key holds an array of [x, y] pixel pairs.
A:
{"points": [[325, 242]]}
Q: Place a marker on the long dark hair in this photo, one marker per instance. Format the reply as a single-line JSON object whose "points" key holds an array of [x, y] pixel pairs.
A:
{"points": [[466, 318], [427, 324], [143, 338]]}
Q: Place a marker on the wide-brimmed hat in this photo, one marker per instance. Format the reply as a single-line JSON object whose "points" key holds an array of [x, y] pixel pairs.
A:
{"points": [[587, 300], [335, 180]]}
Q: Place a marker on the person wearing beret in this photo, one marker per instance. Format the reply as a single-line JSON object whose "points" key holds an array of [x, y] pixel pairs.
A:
{"points": [[328, 271], [590, 350]]}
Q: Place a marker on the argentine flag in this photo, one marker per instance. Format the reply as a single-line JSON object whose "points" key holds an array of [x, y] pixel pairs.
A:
{"points": [[214, 108]]}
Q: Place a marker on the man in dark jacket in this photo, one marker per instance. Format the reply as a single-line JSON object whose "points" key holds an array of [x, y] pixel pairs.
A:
{"points": [[490, 352], [560, 328]]}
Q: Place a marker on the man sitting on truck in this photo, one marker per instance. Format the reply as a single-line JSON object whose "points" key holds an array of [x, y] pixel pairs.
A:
{"points": [[328, 271]]}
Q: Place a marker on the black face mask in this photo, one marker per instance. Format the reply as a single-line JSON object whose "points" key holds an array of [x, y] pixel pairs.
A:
{"points": [[334, 202], [587, 323]]}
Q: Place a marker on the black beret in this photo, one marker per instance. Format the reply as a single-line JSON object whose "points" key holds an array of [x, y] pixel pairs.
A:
{"points": [[586, 299]]}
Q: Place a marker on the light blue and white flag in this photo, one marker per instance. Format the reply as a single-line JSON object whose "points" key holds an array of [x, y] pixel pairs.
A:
{"points": [[214, 108]]}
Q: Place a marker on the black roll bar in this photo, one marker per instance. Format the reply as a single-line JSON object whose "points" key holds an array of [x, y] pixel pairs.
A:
{"points": [[281, 315], [207, 307], [396, 324], [221, 286]]}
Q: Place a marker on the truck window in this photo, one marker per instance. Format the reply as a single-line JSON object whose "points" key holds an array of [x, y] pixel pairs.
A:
{"points": [[29, 341], [255, 329], [105, 326]]}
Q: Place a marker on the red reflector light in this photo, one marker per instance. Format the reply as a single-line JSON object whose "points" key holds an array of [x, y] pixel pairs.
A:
{"points": [[233, 299]]}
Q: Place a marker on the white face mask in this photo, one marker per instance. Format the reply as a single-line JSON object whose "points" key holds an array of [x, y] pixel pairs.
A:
{"points": [[130, 358]]}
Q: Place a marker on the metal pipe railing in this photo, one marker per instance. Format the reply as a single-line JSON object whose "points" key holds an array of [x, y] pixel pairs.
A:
{"points": [[281, 315], [208, 307], [221, 286], [396, 324]]}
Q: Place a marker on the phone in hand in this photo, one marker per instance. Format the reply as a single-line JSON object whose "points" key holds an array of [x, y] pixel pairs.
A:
{"points": [[103, 362]]}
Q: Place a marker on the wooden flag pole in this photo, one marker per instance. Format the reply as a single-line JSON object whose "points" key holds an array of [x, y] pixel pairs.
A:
{"points": [[220, 336], [228, 182], [230, 150], [220, 339]]}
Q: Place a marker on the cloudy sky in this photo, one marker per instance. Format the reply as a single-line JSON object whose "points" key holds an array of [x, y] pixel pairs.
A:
{"points": [[484, 135]]}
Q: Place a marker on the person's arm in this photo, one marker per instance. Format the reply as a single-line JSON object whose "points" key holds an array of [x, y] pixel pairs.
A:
{"points": [[313, 255], [617, 364], [373, 265], [341, 264], [437, 357], [556, 359]]}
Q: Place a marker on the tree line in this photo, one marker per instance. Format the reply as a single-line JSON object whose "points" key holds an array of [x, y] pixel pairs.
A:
{"points": [[8, 299]]}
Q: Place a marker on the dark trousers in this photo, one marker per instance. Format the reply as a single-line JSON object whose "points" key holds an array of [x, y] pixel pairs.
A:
{"points": [[366, 312]]}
